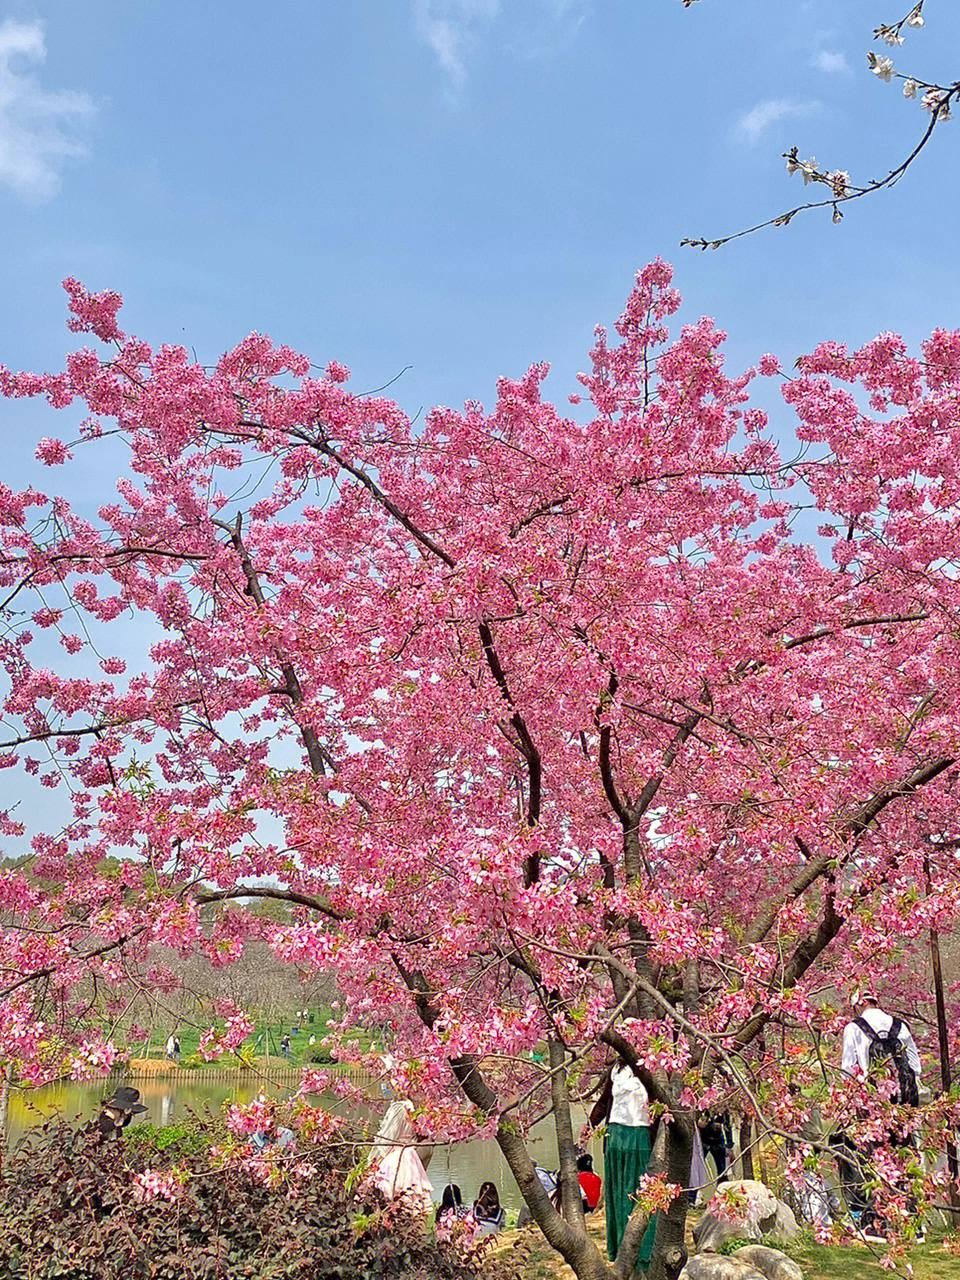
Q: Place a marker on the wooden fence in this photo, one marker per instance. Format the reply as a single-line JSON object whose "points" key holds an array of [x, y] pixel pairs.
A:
{"points": [[198, 1075]]}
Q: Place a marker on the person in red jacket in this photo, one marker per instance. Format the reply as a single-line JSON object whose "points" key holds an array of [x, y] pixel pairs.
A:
{"points": [[590, 1184]]}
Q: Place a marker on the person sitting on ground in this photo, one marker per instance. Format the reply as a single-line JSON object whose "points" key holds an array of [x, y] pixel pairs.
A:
{"points": [[283, 1137], [874, 1042], [487, 1209], [451, 1202], [590, 1184], [551, 1184]]}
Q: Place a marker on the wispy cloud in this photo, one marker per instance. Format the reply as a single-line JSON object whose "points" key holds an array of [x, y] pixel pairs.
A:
{"points": [[831, 61], [454, 28], [449, 27], [754, 124], [40, 129]]}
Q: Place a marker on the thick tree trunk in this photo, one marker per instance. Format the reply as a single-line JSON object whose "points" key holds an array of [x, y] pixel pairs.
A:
{"points": [[669, 1249], [569, 1240]]}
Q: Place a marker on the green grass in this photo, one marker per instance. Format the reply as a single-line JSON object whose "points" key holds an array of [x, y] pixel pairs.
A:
{"points": [[826, 1262], [266, 1040], [184, 1137], [929, 1261]]}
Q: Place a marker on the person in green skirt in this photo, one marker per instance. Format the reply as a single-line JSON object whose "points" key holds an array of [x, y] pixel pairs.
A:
{"points": [[625, 1106]]}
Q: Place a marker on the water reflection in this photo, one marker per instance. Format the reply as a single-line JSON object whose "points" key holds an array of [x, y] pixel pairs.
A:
{"points": [[465, 1163]]}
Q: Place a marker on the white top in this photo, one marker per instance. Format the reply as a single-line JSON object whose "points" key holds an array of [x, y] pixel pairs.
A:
{"points": [[856, 1043], [631, 1106]]}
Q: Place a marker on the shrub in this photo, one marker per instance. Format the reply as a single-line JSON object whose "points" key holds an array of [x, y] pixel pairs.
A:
{"points": [[186, 1136], [318, 1053], [729, 1247], [77, 1205]]}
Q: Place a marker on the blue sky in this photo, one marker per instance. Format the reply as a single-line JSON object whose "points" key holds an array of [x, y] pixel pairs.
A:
{"points": [[463, 186]]}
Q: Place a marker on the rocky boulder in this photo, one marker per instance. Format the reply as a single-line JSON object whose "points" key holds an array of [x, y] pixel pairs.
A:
{"points": [[774, 1264], [743, 1209], [714, 1266]]}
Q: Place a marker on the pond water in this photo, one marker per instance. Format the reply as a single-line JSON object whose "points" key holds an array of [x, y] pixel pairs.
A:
{"points": [[169, 1100]]}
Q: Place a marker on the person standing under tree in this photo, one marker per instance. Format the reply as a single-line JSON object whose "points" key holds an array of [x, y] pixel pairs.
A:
{"points": [[875, 1042], [716, 1139], [625, 1106]]}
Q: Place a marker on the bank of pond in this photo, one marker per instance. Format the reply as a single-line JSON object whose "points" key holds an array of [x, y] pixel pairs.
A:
{"points": [[172, 1097]]}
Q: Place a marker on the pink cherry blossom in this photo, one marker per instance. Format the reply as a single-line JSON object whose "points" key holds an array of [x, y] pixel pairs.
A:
{"points": [[635, 734]]}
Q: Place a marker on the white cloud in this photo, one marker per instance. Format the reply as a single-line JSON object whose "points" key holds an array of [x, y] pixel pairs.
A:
{"points": [[831, 62], [537, 29], [449, 28], [39, 128], [758, 119]]}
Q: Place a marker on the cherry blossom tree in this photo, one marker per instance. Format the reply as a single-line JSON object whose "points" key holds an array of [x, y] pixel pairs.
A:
{"points": [[631, 730]]}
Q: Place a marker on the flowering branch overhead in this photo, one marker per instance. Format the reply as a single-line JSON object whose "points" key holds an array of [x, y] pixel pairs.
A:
{"points": [[936, 99]]}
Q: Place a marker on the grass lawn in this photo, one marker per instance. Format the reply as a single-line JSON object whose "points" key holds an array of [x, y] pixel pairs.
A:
{"points": [[819, 1262], [265, 1042]]}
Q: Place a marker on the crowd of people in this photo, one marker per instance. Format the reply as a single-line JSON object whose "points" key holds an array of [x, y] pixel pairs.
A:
{"points": [[873, 1042]]}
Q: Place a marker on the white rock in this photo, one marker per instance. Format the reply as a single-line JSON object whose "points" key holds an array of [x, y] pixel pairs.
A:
{"points": [[714, 1266], [774, 1264], [784, 1225], [761, 1215]]}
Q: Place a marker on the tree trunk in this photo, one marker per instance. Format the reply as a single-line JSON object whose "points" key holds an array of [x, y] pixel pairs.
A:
{"points": [[669, 1249], [4, 1110], [953, 1164], [566, 1144], [746, 1147]]}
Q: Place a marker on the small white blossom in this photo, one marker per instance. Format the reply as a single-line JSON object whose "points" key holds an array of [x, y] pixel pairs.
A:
{"points": [[839, 181], [809, 170], [916, 17], [891, 35], [881, 67], [910, 88], [935, 100], [837, 214]]}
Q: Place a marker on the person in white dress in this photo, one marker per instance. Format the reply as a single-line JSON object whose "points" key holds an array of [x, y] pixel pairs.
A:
{"points": [[397, 1168]]}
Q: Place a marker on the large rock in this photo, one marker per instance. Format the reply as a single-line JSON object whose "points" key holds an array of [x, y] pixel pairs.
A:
{"points": [[752, 1213], [711, 1234], [784, 1225], [774, 1264], [714, 1266]]}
